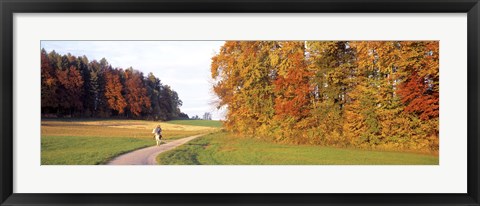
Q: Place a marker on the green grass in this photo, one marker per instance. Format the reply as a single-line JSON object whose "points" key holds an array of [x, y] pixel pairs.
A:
{"points": [[90, 142], [224, 149], [58, 150], [204, 123]]}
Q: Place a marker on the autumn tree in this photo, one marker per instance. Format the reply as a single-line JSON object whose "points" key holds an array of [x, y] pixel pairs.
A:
{"points": [[135, 93], [228, 82], [73, 86], [419, 90], [49, 84], [71, 83], [374, 94], [243, 73], [292, 87], [332, 64], [292, 91], [113, 91], [374, 116]]}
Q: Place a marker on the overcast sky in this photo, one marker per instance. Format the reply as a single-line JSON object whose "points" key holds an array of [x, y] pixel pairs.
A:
{"points": [[184, 65]]}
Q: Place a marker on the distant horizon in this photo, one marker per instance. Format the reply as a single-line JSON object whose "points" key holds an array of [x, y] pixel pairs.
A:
{"points": [[183, 65]]}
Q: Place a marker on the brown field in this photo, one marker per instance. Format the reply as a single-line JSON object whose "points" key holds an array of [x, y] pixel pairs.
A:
{"points": [[118, 128]]}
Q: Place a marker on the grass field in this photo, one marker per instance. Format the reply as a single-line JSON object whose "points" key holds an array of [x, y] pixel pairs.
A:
{"points": [[204, 123], [223, 149], [89, 142]]}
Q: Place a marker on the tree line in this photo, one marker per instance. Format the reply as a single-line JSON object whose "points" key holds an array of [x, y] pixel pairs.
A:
{"points": [[73, 86], [369, 94]]}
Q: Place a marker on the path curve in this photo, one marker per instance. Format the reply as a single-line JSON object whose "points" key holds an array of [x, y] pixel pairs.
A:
{"points": [[148, 155]]}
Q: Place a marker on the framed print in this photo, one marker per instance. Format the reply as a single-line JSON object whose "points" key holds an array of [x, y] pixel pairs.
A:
{"points": [[253, 103]]}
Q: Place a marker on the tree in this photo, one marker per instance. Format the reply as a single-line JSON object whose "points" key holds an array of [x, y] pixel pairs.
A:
{"points": [[96, 91], [343, 93], [136, 93], [153, 90], [243, 73], [332, 64], [75, 87], [227, 80], [292, 91], [71, 83], [49, 84], [196, 117], [82, 65], [113, 91], [374, 115], [207, 116], [420, 89], [169, 102], [292, 87], [183, 116]]}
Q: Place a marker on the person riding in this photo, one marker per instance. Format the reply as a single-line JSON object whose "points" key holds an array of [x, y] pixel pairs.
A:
{"points": [[158, 134]]}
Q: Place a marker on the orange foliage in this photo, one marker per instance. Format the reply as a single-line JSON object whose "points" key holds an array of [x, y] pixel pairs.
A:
{"points": [[72, 82], [292, 85], [419, 97], [135, 92], [344, 93], [113, 91]]}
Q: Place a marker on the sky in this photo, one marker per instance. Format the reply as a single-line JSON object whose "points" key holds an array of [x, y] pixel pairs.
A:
{"points": [[184, 65]]}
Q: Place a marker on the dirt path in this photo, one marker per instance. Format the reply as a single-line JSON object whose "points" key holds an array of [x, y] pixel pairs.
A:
{"points": [[147, 156]]}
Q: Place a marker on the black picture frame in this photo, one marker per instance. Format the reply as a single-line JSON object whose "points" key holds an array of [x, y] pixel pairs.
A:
{"points": [[10, 7]]}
